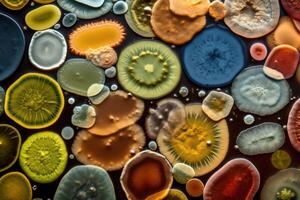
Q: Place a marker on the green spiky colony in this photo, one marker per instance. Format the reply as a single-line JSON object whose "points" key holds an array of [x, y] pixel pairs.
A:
{"points": [[148, 69], [43, 157], [34, 101]]}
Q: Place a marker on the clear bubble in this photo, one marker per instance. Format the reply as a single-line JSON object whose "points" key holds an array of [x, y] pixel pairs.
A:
{"points": [[67, 133]]}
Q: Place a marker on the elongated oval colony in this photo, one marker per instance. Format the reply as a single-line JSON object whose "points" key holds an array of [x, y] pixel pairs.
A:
{"points": [[264, 138], [282, 62], [85, 182], [15, 186], [14, 4], [282, 185], [43, 17], [47, 49], [238, 179], [256, 93], [96, 35], [293, 125], [86, 9], [152, 185]]}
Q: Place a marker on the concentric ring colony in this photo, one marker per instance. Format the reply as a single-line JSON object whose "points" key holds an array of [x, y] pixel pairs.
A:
{"points": [[149, 99]]}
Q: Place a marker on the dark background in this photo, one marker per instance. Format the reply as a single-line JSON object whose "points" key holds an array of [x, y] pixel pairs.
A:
{"points": [[46, 191]]}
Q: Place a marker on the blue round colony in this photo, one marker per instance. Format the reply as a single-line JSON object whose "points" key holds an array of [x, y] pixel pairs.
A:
{"points": [[120, 8], [214, 57], [12, 46]]}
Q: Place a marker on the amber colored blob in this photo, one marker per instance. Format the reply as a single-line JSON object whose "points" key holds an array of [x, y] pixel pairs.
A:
{"points": [[285, 33], [293, 126], [282, 62], [217, 10], [117, 111], [144, 184], [147, 176], [194, 187], [190, 8], [109, 152], [96, 35], [171, 28], [236, 180]]}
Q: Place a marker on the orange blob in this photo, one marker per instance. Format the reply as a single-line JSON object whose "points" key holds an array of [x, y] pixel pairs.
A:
{"points": [[217, 10], [96, 35], [285, 33], [194, 187], [147, 176]]}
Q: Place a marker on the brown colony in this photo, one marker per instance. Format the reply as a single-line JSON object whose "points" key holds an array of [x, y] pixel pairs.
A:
{"points": [[152, 185], [172, 28], [109, 152], [117, 111]]}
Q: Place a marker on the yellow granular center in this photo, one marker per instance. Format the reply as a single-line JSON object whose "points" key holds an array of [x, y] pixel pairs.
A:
{"points": [[193, 141]]}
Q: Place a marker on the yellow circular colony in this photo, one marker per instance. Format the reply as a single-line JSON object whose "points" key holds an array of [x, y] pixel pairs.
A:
{"points": [[34, 101], [194, 139]]}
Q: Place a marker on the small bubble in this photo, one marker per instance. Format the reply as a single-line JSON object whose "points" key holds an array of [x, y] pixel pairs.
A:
{"points": [[152, 145], [184, 91], [110, 72], [236, 146], [71, 156], [201, 93], [284, 126], [249, 119], [71, 100], [32, 4], [231, 119], [67, 133], [92, 189], [114, 87], [34, 187], [57, 26], [279, 118]]}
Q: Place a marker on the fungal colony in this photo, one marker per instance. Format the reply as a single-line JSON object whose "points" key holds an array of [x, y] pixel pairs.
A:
{"points": [[149, 99]]}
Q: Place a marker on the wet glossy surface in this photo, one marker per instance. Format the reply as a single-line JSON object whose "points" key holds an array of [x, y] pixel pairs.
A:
{"points": [[262, 162]]}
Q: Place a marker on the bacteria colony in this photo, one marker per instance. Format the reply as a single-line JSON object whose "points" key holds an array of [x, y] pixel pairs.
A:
{"points": [[149, 99]]}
